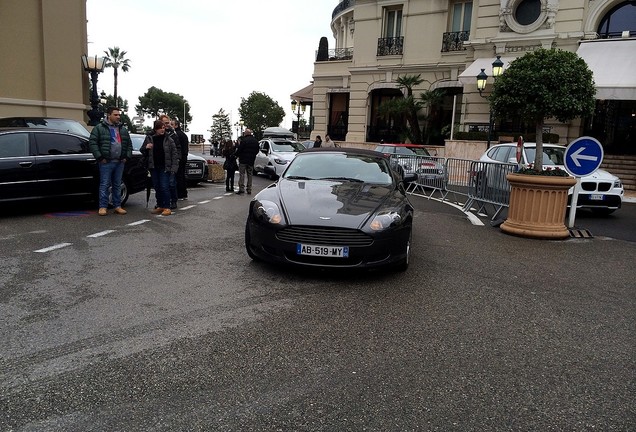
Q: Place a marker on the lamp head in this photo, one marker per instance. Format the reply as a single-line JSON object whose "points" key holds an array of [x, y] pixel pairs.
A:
{"points": [[497, 67], [481, 81], [293, 104]]}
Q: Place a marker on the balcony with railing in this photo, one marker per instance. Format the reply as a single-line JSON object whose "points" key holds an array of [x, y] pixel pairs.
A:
{"points": [[454, 41], [342, 6], [390, 46], [336, 54]]}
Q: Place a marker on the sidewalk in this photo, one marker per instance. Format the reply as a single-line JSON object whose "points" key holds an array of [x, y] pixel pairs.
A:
{"points": [[630, 196]]}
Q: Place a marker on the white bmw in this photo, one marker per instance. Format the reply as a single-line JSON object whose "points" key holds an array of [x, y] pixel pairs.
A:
{"points": [[601, 191]]}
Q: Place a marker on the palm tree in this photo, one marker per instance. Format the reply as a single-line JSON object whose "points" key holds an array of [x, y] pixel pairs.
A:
{"points": [[115, 59]]}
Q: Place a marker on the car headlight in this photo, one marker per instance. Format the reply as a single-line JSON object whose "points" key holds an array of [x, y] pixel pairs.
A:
{"points": [[618, 183], [384, 220], [280, 161], [267, 211]]}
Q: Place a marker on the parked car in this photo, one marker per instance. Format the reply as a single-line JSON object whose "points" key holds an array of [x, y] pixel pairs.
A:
{"points": [[601, 191], [274, 155], [38, 163], [67, 125], [332, 207], [196, 166], [414, 158]]}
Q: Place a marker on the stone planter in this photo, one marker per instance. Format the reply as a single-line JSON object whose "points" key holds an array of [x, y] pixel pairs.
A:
{"points": [[537, 206], [216, 173]]}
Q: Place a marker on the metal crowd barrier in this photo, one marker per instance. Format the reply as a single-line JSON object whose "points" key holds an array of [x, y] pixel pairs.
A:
{"points": [[430, 170], [465, 182], [488, 185]]}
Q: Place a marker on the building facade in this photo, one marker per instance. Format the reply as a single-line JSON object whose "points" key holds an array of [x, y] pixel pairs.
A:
{"points": [[41, 71], [448, 42]]}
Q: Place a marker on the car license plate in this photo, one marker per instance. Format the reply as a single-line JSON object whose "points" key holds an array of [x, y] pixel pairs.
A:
{"points": [[195, 171], [327, 251], [597, 197]]}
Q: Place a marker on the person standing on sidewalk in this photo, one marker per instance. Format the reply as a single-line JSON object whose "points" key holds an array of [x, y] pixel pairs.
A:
{"points": [[328, 142], [111, 145], [163, 162], [246, 154], [229, 165], [182, 190], [167, 122]]}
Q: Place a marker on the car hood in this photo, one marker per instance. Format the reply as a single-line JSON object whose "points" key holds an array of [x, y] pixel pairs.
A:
{"points": [[193, 157], [332, 203], [598, 175], [288, 156]]}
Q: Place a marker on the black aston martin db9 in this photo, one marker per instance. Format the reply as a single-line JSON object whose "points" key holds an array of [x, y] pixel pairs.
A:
{"points": [[335, 208]]}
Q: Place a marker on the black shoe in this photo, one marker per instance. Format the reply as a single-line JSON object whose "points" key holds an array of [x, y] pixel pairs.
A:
{"points": [[173, 206], [228, 190], [249, 192], [239, 192]]}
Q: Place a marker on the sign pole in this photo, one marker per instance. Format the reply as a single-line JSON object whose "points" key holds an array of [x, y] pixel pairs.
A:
{"points": [[574, 202]]}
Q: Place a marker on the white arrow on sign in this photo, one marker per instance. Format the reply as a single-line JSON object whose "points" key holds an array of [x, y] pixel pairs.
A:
{"points": [[576, 156]]}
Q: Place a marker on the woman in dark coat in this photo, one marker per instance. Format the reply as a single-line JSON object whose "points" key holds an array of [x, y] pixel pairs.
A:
{"points": [[163, 158], [230, 166]]}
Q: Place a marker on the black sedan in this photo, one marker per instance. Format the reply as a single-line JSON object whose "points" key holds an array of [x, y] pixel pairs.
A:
{"points": [[333, 207], [46, 163]]}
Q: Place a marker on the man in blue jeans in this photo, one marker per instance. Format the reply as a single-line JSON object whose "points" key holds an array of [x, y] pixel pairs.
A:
{"points": [[110, 144]]}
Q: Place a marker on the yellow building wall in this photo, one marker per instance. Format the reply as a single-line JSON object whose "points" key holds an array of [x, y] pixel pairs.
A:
{"points": [[41, 72]]}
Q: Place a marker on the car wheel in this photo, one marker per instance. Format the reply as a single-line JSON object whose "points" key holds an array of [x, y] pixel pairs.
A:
{"points": [[403, 264], [124, 194], [248, 241]]}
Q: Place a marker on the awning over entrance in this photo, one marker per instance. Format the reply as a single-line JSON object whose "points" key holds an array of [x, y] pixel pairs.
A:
{"points": [[304, 95], [469, 76], [613, 63], [452, 87]]}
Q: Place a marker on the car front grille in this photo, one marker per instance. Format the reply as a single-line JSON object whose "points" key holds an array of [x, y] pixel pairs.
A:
{"points": [[596, 187], [324, 236]]}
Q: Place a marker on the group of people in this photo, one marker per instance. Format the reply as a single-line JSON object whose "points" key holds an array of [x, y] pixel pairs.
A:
{"points": [[327, 143], [165, 151], [245, 154]]}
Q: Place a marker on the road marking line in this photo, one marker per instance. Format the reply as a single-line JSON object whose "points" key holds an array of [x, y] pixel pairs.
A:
{"points": [[204, 202], [100, 234], [50, 248], [139, 222], [187, 207], [218, 198]]}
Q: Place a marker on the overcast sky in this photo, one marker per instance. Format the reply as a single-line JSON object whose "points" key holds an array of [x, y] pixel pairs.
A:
{"points": [[213, 53]]}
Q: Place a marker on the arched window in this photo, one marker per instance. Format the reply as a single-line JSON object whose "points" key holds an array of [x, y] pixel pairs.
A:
{"points": [[620, 18]]}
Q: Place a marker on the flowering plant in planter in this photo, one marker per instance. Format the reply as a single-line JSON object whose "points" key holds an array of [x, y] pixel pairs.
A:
{"points": [[546, 171]]}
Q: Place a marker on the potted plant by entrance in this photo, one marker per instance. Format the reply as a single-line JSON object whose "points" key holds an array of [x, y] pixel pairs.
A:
{"points": [[546, 83]]}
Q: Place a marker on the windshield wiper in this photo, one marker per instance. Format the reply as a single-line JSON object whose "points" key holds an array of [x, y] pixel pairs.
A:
{"points": [[343, 178], [298, 178]]}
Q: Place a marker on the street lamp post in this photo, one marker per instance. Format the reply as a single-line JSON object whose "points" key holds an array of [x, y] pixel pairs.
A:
{"points": [[298, 113], [482, 78], [185, 122], [94, 66]]}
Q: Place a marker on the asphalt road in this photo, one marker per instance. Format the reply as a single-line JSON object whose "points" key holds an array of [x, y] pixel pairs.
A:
{"points": [[140, 322]]}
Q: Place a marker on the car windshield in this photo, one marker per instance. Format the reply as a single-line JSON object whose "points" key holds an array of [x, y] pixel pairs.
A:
{"points": [[420, 151], [137, 141], [551, 155], [339, 167], [287, 146]]}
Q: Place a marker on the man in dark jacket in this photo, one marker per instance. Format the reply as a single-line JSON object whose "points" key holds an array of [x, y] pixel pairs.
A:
{"points": [[110, 144], [182, 190], [246, 154]]}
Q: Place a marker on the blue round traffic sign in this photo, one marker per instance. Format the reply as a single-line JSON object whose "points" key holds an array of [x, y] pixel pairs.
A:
{"points": [[583, 156]]}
